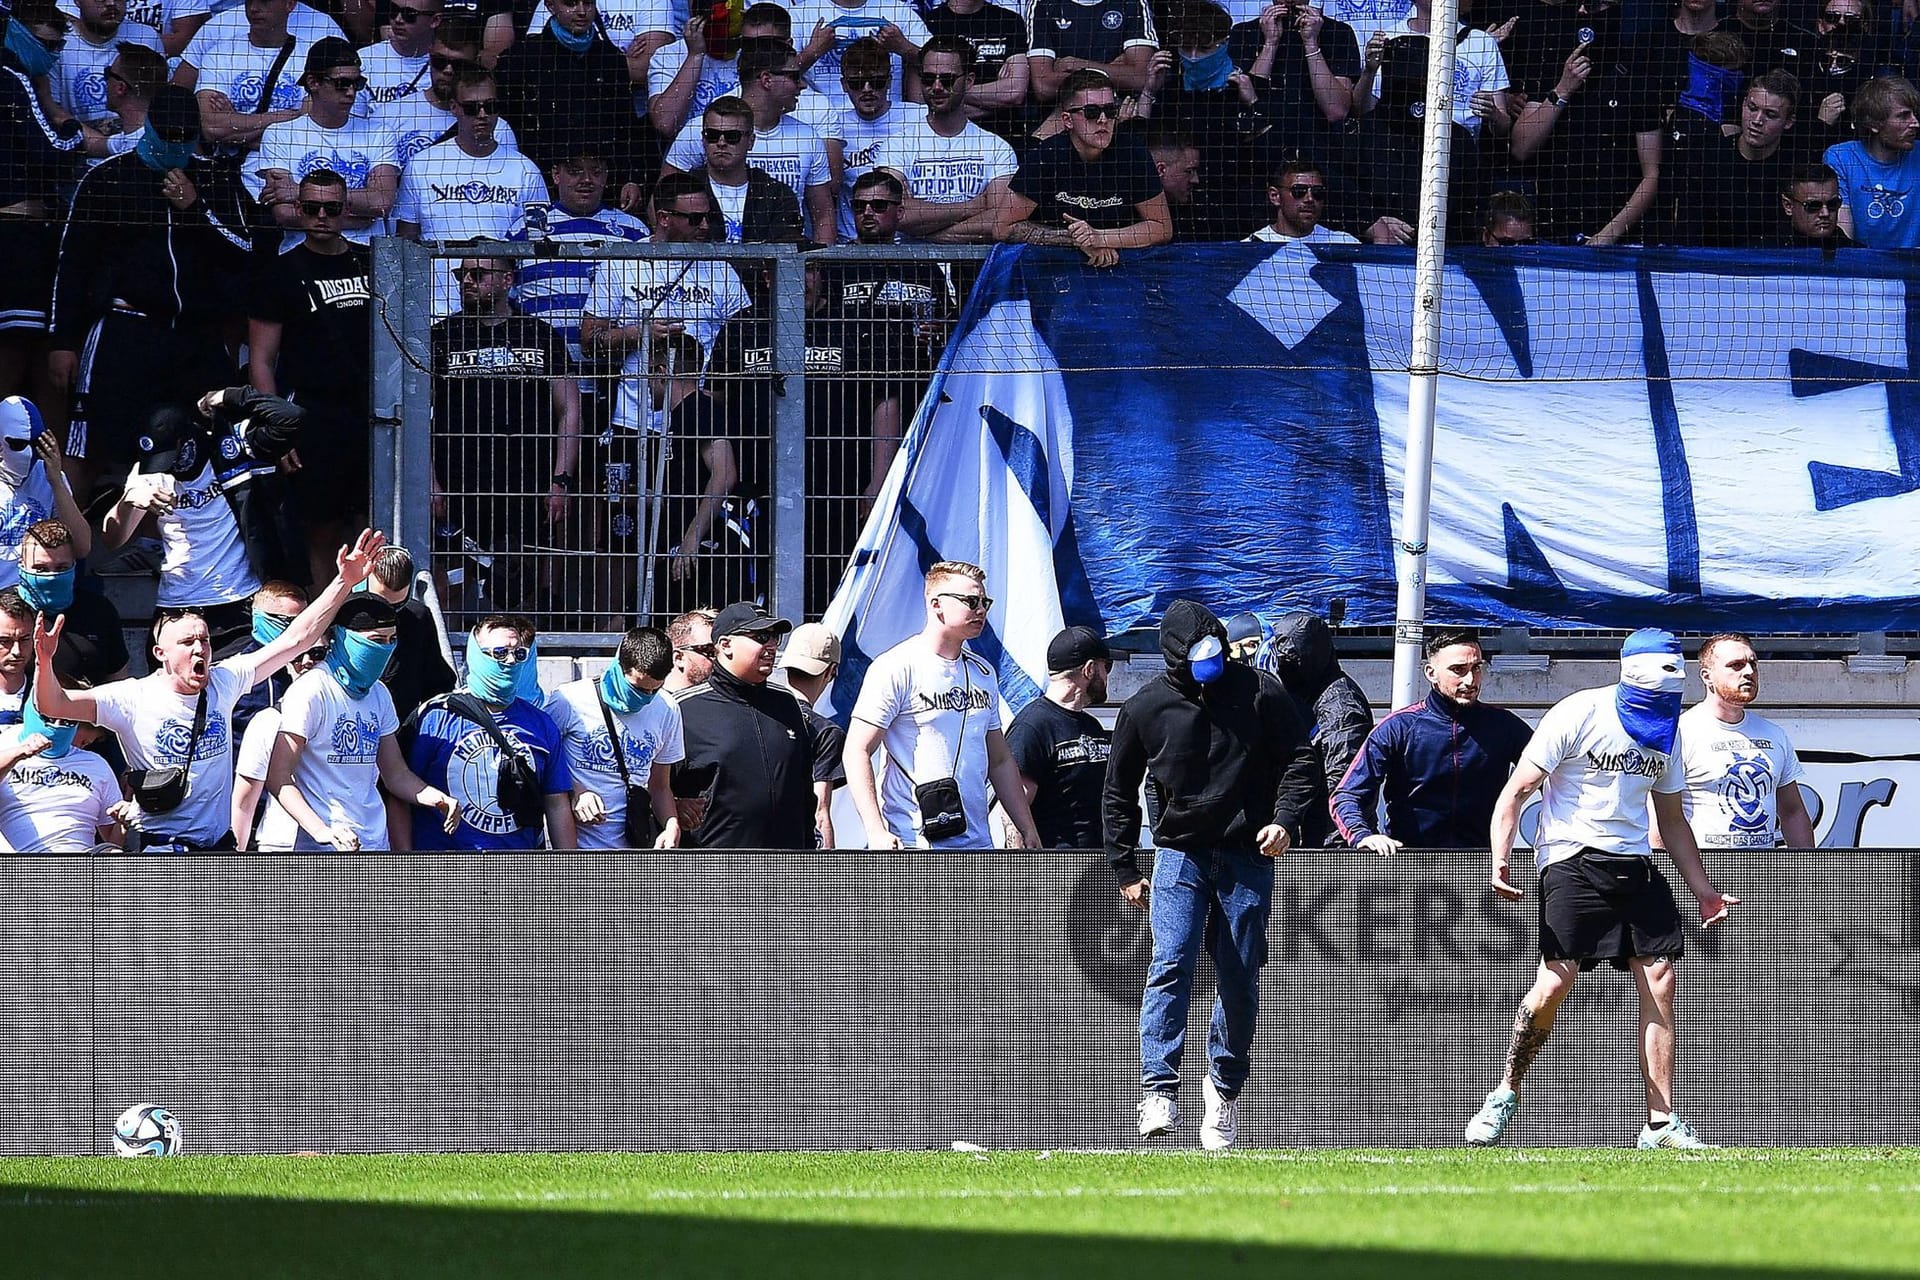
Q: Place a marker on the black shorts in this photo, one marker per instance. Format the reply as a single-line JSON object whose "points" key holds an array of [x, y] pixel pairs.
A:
{"points": [[1600, 906], [29, 247], [130, 366]]}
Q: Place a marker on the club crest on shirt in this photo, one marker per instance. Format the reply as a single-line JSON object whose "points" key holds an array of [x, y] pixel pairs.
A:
{"points": [[1744, 790], [176, 736], [1112, 19], [356, 739]]}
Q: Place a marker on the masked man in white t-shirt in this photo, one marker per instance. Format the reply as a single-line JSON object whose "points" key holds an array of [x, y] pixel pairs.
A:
{"points": [[1741, 769], [160, 720], [336, 747], [55, 795], [1596, 759], [935, 706], [609, 773]]}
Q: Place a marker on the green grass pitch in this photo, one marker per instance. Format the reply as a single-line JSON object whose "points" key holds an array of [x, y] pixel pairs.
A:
{"points": [[1426, 1215]]}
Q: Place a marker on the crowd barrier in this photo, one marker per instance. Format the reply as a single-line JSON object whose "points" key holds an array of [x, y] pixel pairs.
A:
{"points": [[737, 1000]]}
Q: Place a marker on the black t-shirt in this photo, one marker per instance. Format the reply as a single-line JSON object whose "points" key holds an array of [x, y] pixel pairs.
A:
{"points": [[1102, 194], [92, 644], [1064, 754], [1098, 32], [996, 34], [321, 302], [1723, 200], [1287, 103], [692, 427], [493, 402]]}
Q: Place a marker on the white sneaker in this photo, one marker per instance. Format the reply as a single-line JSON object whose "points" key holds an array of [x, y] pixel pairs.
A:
{"points": [[1490, 1121], [1675, 1135], [1159, 1115], [1222, 1124]]}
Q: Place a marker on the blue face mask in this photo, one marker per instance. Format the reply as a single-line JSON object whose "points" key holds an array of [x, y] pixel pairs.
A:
{"points": [[268, 627], [162, 156], [34, 58], [1207, 72], [569, 41], [31, 722], [1711, 91], [1208, 658], [492, 680], [47, 592], [620, 696], [357, 662]]}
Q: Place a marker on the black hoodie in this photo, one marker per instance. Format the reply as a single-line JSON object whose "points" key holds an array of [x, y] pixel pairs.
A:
{"points": [[1226, 758], [1335, 708]]}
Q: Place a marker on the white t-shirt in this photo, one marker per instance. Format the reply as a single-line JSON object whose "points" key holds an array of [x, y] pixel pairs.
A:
{"points": [[417, 124], [391, 76], [454, 196], [648, 737], [237, 68], [298, 147], [733, 208], [1477, 66], [305, 24], [20, 508], [251, 761], [789, 152], [1321, 234], [1598, 779], [204, 559], [627, 291], [155, 728], [339, 772], [850, 24], [79, 78], [859, 141], [935, 714], [1734, 774], [158, 14], [718, 77], [623, 20], [1364, 16], [55, 806], [946, 170]]}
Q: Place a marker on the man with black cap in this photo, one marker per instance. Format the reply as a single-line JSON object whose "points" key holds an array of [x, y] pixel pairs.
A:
{"points": [[750, 751], [1244, 633], [1597, 758], [1060, 749], [337, 747], [332, 138], [1228, 754], [143, 285]]}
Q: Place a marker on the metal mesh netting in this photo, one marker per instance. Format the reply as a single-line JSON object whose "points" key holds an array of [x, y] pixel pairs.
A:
{"points": [[760, 1001]]}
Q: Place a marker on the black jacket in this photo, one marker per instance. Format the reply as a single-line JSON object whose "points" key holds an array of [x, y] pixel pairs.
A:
{"points": [[772, 214], [554, 97], [419, 670], [36, 156], [1334, 707], [124, 242], [756, 741], [1225, 758]]}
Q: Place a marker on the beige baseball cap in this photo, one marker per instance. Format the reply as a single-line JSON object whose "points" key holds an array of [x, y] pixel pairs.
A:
{"points": [[811, 649]]}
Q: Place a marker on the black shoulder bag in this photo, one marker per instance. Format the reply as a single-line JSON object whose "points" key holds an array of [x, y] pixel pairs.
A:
{"points": [[641, 828], [518, 783], [164, 790]]}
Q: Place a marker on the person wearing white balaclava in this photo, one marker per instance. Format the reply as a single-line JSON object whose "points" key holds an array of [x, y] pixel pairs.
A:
{"points": [[1597, 759], [33, 486]]}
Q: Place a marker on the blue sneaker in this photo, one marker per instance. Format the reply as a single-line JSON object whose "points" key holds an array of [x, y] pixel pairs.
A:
{"points": [[1490, 1121], [1675, 1135]]}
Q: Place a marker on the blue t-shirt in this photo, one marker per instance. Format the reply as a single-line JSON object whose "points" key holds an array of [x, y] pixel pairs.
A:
{"points": [[1883, 198], [458, 756]]}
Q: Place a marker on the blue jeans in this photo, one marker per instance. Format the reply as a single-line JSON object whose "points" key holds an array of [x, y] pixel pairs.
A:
{"points": [[1224, 899]]}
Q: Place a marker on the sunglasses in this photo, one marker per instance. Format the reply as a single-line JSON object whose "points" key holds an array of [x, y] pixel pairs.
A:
{"points": [[508, 653], [761, 638], [728, 136], [872, 206], [791, 73], [871, 82], [1510, 241], [704, 650], [316, 654], [403, 14], [19, 444], [315, 208], [945, 79], [1814, 206], [1301, 190], [477, 273], [447, 62], [1097, 111], [700, 216], [345, 84], [1841, 19], [116, 77], [490, 106], [979, 604]]}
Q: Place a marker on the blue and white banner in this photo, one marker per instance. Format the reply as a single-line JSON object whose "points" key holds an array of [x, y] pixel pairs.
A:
{"points": [[1697, 439]]}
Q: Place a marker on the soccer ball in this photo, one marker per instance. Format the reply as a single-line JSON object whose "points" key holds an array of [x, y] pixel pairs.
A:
{"points": [[146, 1130]]}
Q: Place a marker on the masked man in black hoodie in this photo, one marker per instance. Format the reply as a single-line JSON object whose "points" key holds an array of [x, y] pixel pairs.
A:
{"points": [[1333, 705], [1228, 756]]}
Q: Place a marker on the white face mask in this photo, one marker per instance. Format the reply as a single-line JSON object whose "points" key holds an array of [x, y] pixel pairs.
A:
{"points": [[20, 425]]}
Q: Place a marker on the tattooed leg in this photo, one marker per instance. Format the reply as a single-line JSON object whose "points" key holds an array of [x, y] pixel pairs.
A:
{"points": [[1534, 1021]]}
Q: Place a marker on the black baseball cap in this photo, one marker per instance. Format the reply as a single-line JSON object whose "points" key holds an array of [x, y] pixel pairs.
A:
{"points": [[172, 443], [736, 619], [1075, 646], [365, 611]]}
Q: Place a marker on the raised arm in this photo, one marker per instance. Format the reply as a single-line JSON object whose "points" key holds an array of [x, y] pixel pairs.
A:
{"points": [[354, 565]]}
